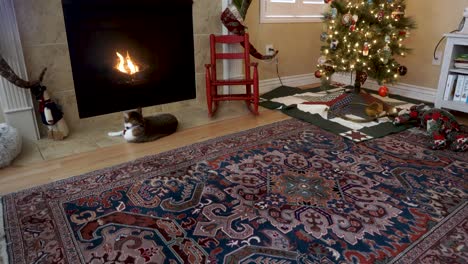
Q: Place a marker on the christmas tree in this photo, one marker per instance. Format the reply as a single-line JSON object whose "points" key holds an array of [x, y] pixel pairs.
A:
{"points": [[364, 36]]}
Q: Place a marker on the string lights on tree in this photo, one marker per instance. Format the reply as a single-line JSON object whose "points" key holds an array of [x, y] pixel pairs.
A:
{"points": [[364, 36]]}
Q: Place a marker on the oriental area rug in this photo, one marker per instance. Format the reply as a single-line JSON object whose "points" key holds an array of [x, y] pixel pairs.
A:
{"points": [[288, 192], [337, 111]]}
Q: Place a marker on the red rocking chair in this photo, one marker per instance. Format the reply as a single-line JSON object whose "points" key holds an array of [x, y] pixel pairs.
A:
{"points": [[212, 82]]}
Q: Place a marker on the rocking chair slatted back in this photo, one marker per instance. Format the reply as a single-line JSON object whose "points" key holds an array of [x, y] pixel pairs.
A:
{"points": [[212, 82]]}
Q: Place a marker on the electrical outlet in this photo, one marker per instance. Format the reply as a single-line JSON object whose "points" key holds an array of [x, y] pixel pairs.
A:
{"points": [[269, 50], [438, 58]]}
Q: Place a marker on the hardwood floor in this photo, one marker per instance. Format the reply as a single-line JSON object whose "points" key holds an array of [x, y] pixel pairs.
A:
{"points": [[15, 178]]}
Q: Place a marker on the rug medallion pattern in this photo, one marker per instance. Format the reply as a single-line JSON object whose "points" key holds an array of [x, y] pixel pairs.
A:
{"points": [[288, 192]]}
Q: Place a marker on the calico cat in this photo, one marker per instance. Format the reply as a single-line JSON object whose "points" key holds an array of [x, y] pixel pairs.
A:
{"points": [[140, 129]]}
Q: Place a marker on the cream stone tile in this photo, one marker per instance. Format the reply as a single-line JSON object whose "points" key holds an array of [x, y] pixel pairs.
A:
{"points": [[110, 141], [102, 120], [202, 52], [40, 21], [51, 149], [150, 110], [171, 107], [206, 17], [57, 60], [29, 154], [98, 134], [189, 116], [201, 88]]}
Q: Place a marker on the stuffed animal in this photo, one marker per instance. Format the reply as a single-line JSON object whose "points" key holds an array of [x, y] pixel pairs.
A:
{"points": [[440, 124], [52, 117]]}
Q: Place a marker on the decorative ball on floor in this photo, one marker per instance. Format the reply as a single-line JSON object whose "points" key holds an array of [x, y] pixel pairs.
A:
{"points": [[383, 91]]}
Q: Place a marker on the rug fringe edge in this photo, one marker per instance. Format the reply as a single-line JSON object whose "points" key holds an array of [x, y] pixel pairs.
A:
{"points": [[3, 244]]}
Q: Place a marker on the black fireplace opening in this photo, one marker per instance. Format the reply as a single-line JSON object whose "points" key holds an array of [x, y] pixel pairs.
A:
{"points": [[130, 53]]}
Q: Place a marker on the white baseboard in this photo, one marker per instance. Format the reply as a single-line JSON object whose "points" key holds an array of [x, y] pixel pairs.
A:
{"points": [[294, 81], [403, 89]]}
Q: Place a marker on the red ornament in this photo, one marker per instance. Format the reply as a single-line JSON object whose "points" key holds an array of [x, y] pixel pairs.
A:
{"points": [[318, 74], [327, 1], [402, 70], [380, 15], [383, 91]]}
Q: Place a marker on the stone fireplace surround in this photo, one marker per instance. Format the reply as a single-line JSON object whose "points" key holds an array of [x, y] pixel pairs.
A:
{"points": [[43, 38]]}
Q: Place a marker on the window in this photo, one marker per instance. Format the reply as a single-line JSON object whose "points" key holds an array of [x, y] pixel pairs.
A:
{"points": [[290, 11]]}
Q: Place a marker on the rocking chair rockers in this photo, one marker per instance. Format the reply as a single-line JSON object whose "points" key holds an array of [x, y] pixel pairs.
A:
{"points": [[251, 94]]}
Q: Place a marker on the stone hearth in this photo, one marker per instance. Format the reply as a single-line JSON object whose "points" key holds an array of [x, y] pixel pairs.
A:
{"points": [[92, 137]]}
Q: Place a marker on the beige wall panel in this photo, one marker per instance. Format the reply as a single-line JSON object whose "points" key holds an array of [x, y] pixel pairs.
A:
{"points": [[434, 18], [299, 43]]}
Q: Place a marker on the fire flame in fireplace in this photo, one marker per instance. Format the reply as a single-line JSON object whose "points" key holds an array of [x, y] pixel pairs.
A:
{"points": [[126, 65]]}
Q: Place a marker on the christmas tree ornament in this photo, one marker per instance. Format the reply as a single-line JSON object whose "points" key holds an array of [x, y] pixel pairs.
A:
{"points": [[324, 36], [387, 39], [361, 77], [334, 44], [352, 28], [383, 91], [386, 54], [398, 13], [365, 49], [329, 70], [318, 74], [328, 1], [387, 49], [334, 13], [370, 2], [355, 19], [380, 15], [402, 70], [346, 19], [322, 60]]}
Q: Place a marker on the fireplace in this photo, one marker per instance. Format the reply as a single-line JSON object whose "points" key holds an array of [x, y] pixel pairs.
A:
{"points": [[127, 54]]}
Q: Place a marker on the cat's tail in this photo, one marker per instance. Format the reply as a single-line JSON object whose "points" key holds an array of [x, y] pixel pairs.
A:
{"points": [[116, 134]]}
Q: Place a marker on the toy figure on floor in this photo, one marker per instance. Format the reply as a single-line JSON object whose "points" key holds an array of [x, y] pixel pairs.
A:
{"points": [[233, 19], [439, 123], [52, 117], [51, 114]]}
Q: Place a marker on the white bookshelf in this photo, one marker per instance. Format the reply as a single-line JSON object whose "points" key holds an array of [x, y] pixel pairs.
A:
{"points": [[456, 44]]}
